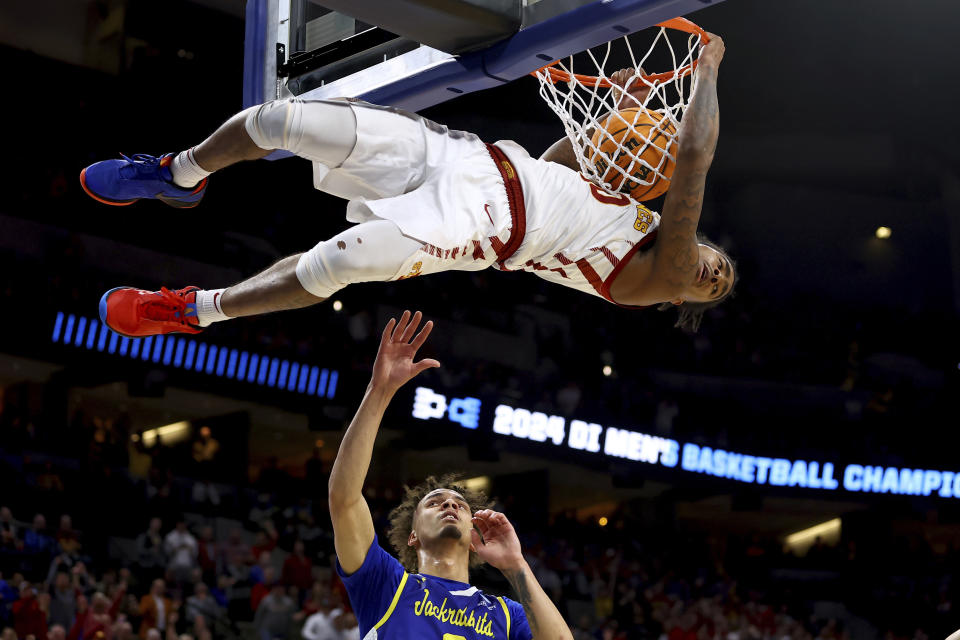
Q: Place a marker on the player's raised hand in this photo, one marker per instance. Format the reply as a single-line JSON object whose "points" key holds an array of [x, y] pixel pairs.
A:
{"points": [[394, 365], [629, 88], [712, 52], [495, 540]]}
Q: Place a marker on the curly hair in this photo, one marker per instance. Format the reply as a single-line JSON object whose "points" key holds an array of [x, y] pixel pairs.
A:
{"points": [[401, 518], [690, 314]]}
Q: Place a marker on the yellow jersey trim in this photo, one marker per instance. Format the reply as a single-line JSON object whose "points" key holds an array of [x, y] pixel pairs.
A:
{"points": [[393, 604], [506, 613]]}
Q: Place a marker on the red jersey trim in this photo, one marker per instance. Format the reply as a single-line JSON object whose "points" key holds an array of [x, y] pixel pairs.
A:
{"points": [[604, 288], [592, 276], [518, 210]]}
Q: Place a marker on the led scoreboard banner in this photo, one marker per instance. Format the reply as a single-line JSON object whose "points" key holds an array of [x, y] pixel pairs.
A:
{"points": [[598, 440]]}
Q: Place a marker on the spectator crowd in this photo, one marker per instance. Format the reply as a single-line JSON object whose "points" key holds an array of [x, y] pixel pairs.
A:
{"points": [[261, 568], [164, 584]]}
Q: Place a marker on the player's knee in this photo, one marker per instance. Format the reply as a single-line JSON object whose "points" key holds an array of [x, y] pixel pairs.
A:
{"points": [[318, 272], [373, 251], [271, 123], [320, 130]]}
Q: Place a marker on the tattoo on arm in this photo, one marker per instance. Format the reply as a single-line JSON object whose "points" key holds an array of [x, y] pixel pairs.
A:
{"points": [[699, 132], [518, 580]]}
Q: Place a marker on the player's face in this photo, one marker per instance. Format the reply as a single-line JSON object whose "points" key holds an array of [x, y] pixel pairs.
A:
{"points": [[713, 279], [443, 513]]}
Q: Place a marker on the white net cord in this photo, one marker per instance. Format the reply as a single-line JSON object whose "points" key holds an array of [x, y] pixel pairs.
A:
{"points": [[584, 98]]}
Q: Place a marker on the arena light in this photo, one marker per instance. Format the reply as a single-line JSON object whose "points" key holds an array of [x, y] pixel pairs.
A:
{"points": [[337, 305], [479, 483], [602, 521], [607, 370], [332, 383], [168, 434], [195, 355], [829, 529], [883, 232]]}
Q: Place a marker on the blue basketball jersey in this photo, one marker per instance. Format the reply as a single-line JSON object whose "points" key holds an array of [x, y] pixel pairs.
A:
{"points": [[392, 604]]}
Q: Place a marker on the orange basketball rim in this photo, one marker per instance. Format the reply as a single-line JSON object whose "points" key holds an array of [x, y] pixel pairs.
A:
{"points": [[555, 75]]}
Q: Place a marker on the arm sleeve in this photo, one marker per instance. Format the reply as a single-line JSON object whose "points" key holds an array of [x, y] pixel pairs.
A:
{"points": [[371, 587], [519, 627]]}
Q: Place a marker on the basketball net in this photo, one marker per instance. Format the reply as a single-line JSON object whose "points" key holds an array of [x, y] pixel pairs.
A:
{"points": [[583, 98]]}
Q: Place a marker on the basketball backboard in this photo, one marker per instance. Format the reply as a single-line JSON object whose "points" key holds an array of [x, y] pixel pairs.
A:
{"points": [[301, 48]]}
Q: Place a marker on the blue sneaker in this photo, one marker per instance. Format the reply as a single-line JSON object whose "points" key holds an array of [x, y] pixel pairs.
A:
{"points": [[123, 182]]}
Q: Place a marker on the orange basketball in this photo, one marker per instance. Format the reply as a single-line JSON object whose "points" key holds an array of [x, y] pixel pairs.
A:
{"points": [[635, 140]]}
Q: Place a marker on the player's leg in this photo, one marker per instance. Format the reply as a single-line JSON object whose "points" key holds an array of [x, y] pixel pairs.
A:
{"points": [[368, 252], [274, 289], [328, 137], [179, 179]]}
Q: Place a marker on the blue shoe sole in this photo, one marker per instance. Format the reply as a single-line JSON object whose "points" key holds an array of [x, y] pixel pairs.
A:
{"points": [[172, 201]]}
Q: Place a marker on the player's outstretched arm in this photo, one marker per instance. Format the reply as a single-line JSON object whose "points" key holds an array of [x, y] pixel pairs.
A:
{"points": [[394, 366], [676, 255], [496, 542]]}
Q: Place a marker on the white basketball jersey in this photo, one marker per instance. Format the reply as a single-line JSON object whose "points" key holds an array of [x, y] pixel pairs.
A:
{"points": [[577, 234]]}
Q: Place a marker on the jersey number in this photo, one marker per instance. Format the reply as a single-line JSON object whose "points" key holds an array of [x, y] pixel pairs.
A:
{"points": [[608, 198], [453, 636], [604, 197]]}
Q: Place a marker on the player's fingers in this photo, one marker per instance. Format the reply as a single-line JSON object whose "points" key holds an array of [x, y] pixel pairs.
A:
{"points": [[483, 534], [481, 523], [499, 519], [401, 326], [411, 327], [422, 336], [475, 540], [387, 331], [426, 363]]}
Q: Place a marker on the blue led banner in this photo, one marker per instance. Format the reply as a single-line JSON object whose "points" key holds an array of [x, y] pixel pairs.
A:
{"points": [[195, 355], [594, 439]]}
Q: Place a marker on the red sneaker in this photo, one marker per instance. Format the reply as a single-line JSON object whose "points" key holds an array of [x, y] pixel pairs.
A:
{"points": [[136, 313]]}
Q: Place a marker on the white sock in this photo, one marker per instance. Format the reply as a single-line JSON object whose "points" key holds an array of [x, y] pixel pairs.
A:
{"points": [[185, 170], [208, 307]]}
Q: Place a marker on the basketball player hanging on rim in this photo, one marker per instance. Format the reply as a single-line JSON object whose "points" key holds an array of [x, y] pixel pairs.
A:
{"points": [[429, 199], [439, 531]]}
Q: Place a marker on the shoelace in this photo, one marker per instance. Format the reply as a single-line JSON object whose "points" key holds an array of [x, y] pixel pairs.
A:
{"points": [[169, 308], [142, 158], [140, 164]]}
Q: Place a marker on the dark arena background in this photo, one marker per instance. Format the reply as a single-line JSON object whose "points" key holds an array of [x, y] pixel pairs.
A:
{"points": [[789, 471]]}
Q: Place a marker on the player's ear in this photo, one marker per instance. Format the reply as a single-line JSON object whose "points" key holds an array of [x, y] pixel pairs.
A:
{"points": [[677, 301], [412, 539]]}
